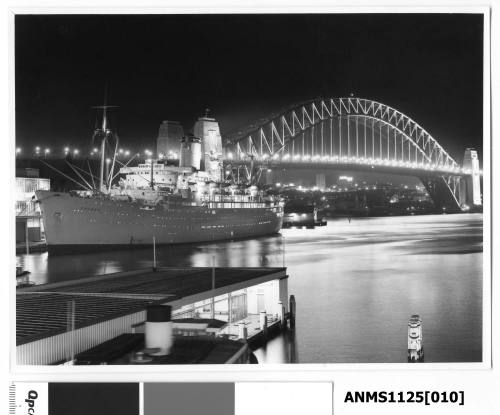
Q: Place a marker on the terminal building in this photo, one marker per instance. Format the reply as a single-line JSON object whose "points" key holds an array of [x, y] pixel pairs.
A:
{"points": [[207, 129], [103, 319], [29, 226]]}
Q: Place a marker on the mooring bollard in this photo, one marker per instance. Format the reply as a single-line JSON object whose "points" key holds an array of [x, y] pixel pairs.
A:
{"points": [[262, 319], [292, 311], [415, 342], [242, 331]]}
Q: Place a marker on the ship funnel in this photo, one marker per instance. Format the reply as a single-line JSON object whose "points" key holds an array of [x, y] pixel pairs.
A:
{"points": [[159, 329], [190, 152]]}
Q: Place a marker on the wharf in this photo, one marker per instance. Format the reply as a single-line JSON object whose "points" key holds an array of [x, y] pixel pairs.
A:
{"points": [[255, 334], [33, 247], [107, 306]]}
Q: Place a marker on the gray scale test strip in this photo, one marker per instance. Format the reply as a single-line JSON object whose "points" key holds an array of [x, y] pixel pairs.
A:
{"points": [[189, 398], [168, 398]]}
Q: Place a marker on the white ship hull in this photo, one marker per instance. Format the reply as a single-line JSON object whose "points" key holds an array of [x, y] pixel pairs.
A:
{"points": [[75, 223]]}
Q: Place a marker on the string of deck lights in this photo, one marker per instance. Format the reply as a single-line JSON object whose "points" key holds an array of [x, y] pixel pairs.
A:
{"points": [[286, 158], [66, 151], [276, 158]]}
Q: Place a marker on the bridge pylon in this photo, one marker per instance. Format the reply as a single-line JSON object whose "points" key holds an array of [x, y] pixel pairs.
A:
{"points": [[470, 186]]}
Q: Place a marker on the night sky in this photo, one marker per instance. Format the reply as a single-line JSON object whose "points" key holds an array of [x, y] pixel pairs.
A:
{"points": [[242, 67]]}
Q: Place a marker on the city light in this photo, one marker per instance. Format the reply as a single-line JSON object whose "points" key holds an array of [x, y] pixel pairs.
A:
{"points": [[350, 159], [424, 163]]}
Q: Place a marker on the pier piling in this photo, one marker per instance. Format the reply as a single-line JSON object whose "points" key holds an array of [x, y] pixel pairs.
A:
{"points": [[266, 331], [27, 239], [281, 314], [154, 253], [242, 331], [293, 311], [262, 319]]}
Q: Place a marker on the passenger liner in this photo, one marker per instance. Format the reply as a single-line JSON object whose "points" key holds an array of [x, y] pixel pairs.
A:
{"points": [[157, 202]]}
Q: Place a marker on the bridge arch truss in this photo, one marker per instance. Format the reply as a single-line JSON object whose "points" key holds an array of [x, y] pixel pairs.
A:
{"points": [[352, 130]]}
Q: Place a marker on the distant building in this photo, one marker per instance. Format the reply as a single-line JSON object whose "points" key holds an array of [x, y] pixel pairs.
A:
{"points": [[169, 139], [28, 218], [207, 129]]}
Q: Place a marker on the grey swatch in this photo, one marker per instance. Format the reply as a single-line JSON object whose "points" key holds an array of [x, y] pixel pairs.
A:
{"points": [[188, 398]]}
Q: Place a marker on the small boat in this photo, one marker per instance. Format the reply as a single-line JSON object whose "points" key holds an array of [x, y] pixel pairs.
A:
{"points": [[22, 278]]}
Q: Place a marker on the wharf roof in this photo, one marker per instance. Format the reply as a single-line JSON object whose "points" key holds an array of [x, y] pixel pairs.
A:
{"points": [[185, 350], [41, 311]]}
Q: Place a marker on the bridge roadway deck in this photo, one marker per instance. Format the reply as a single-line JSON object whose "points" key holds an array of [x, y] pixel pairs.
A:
{"points": [[366, 167]]}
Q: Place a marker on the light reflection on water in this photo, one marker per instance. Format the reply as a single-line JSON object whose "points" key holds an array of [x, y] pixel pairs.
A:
{"points": [[356, 284]]}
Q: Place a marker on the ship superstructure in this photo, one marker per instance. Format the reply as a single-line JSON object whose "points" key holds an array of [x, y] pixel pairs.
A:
{"points": [[173, 204]]}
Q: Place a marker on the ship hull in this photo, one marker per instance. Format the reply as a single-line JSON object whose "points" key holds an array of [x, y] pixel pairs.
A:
{"points": [[75, 223]]}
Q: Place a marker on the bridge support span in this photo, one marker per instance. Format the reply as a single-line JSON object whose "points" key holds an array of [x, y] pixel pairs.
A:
{"points": [[444, 192], [321, 181]]}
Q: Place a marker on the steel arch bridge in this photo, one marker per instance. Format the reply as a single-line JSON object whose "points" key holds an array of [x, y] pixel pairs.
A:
{"points": [[351, 133]]}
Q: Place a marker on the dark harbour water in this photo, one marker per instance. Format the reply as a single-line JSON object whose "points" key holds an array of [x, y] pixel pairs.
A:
{"points": [[356, 284]]}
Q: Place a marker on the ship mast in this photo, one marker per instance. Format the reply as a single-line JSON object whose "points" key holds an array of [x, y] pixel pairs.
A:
{"points": [[103, 145], [104, 186], [152, 183]]}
